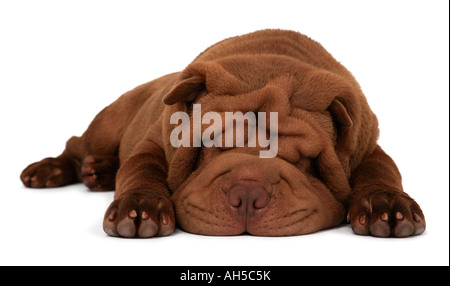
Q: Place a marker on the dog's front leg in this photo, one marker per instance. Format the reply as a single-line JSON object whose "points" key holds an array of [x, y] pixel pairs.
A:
{"points": [[378, 206], [142, 205]]}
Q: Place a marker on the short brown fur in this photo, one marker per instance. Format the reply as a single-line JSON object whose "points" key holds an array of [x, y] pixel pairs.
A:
{"points": [[328, 168]]}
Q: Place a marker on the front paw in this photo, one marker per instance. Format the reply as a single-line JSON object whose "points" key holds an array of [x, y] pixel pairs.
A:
{"points": [[385, 213], [139, 214]]}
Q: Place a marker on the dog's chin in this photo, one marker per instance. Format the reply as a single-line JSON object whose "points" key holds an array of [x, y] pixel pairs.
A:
{"points": [[249, 195]]}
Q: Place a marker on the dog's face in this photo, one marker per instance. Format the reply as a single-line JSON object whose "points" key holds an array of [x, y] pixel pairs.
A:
{"points": [[232, 190]]}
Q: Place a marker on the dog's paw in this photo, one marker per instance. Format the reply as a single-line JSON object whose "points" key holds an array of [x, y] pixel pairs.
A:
{"points": [[49, 173], [99, 172], [139, 214], [385, 213]]}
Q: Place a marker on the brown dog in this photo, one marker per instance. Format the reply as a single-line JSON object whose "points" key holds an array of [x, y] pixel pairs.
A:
{"points": [[327, 167]]}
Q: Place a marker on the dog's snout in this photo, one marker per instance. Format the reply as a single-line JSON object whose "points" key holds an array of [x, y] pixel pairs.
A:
{"points": [[247, 197]]}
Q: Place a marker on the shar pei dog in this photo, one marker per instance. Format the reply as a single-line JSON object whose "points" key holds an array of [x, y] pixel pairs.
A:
{"points": [[265, 134]]}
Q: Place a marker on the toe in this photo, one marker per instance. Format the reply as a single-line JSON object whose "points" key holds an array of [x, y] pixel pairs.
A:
{"points": [[380, 228], [167, 225], [109, 224], [35, 182], [359, 225], [403, 228], [147, 228], [126, 227], [419, 224]]}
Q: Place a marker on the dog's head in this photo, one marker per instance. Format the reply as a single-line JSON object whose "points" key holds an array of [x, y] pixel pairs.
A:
{"points": [[223, 189]]}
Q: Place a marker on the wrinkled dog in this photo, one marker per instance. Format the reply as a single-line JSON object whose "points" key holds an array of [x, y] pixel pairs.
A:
{"points": [[173, 156]]}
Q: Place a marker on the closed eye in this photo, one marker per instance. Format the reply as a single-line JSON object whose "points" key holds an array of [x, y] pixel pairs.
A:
{"points": [[313, 168]]}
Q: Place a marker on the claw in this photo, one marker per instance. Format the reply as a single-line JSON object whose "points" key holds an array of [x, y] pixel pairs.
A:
{"points": [[362, 219], [132, 214], [164, 219], [112, 216]]}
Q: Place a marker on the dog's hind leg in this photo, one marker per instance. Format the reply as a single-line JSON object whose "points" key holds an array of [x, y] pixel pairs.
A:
{"points": [[92, 158], [81, 161], [50, 172]]}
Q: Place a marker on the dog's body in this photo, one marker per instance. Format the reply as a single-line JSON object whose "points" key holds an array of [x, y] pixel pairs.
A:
{"points": [[328, 163]]}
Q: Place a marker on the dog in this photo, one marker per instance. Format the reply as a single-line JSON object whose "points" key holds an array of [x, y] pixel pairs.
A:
{"points": [[326, 168]]}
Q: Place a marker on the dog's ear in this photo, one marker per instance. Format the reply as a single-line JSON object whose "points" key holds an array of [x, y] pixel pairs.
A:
{"points": [[202, 78], [345, 112], [340, 113], [337, 95], [189, 86], [330, 167]]}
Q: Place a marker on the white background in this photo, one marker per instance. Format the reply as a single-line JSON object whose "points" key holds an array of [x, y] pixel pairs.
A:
{"points": [[61, 62]]}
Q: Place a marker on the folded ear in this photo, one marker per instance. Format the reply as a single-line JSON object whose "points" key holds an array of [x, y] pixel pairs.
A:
{"points": [[190, 85], [342, 101], [205, 77], [345, 112], [340, 113]]}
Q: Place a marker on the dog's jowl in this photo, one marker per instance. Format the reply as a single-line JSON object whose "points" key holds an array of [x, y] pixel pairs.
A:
{"points": [[317, 167]]}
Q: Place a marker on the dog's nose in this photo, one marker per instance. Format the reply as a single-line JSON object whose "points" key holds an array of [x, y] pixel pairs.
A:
{"points": [[247, 197]]}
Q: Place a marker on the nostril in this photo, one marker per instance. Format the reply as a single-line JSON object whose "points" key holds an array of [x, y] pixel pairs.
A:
{"points": [[247, 198], [236, 195], [261, 199]]}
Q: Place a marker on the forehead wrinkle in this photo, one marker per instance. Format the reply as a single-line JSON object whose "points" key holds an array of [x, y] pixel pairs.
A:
{"points": [[270, 98]]}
